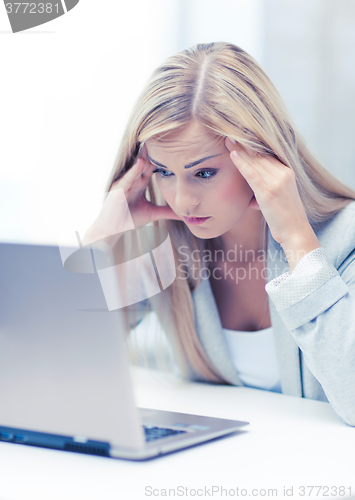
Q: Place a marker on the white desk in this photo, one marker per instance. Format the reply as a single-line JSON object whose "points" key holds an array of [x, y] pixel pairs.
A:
{"points": [[289, 442]]}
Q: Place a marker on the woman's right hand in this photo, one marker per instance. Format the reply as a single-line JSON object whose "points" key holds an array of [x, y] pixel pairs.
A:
{"points": [[113, 217]]}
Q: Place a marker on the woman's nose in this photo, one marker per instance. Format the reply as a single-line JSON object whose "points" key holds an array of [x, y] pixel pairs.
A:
{"points": [[186, 199]]}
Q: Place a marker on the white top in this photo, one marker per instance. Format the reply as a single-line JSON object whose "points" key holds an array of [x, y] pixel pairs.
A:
{"points": [[254, 357], [253, 353]]}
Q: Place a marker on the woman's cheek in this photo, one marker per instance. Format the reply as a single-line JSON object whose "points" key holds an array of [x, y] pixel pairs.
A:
{"points": [[236, 193], [166, 192], [229, 192]]}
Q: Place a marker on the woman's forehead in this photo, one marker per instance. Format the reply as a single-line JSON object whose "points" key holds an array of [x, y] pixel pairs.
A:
{"points": [[191, 139]]}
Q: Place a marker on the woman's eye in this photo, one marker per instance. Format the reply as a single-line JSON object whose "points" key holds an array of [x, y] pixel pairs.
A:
{"points": [[162, 172], [203, 174], [207, 174]]}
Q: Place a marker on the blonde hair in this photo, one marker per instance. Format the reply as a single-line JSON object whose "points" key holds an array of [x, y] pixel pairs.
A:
{"points": [[224, 89]]}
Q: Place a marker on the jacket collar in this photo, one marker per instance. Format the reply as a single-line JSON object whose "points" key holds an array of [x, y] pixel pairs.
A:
{"points": [[287, 350]]}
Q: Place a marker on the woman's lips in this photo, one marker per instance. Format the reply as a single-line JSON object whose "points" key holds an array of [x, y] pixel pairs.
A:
{"points": [[195, 220]]}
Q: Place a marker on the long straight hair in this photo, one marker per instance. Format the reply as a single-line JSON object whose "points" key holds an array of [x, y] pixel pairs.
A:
{"points": [[224, 89]]}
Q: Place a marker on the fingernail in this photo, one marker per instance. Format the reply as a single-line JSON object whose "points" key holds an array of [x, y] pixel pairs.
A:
{"points": [[232, 140], [234, 153]]}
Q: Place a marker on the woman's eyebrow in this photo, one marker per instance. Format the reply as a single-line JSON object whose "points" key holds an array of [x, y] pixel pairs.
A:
{"points": [[186, 166]]}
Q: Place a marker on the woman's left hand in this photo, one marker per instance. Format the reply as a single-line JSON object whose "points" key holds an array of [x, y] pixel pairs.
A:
{"points": [[277, 196]]}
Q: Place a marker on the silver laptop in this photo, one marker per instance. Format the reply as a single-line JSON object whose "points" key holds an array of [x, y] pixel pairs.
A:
{"points": [[64, 371]]}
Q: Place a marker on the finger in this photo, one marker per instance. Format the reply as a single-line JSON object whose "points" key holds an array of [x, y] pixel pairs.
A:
{"points": [[126, 182], [148, 169], [229, 143], [267, 162], [143, 152], [251, 159], [275, 174], [249, 172], [137, 178], [142, 180], [260, 163]]}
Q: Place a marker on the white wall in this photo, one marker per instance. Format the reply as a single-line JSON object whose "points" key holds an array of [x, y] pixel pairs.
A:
{"points": [[66, 91], [236, 21], [309, 53]]}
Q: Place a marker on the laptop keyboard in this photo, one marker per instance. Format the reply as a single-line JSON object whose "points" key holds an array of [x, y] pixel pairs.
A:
{"points": [[152, 433]]}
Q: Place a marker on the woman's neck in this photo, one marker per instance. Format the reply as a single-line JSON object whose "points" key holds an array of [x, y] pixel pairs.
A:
{"points": [[246, 238]]}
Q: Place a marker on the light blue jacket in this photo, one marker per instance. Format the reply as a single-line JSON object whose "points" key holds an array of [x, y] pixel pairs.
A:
{"points": [[315, 332]]}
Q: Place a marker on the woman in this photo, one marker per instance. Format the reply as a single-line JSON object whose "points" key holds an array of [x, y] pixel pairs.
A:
{"points": [[211, 155]]}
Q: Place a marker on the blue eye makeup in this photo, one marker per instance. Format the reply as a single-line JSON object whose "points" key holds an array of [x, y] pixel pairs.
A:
{"points": [[161, 171], [206, 174]]}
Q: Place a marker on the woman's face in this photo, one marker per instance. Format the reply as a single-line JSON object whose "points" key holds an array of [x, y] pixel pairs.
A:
{"points": [[197, 178]]}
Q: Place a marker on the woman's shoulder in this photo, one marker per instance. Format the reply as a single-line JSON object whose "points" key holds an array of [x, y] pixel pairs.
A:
{"points": [[337, 235], [343, 219]]}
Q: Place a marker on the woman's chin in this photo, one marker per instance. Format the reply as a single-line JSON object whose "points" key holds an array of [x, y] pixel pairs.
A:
{"points": [[204, 233]]}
